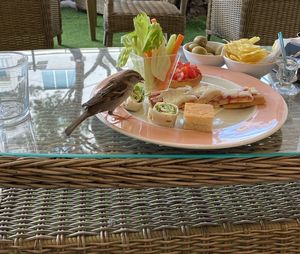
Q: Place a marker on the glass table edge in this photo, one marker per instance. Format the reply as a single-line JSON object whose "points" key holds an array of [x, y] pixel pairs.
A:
{"points": [[151, 156], [201, 155]]}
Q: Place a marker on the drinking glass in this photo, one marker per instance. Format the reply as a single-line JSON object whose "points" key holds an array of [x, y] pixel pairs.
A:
{"points": [[157, 71], [286, 75], [18, 138], [14, 97]]}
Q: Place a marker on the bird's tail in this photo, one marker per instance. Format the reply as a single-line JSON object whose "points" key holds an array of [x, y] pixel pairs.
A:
{"points": [[74, 124]]}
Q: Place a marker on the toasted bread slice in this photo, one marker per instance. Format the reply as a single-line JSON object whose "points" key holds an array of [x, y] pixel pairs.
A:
{"points": [[187, 82]]}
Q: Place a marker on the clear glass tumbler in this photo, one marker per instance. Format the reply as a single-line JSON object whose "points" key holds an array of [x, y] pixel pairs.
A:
{"points": [[157, 71], [19, 138], [14, 96], [286, 75]]}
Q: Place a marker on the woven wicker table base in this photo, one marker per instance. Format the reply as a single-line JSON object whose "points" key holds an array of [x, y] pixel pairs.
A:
{"points": [[141, 173], [234, 219]]}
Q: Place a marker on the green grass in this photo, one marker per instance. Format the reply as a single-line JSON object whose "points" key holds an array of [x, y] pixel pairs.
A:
{"points": [[76, 32]]}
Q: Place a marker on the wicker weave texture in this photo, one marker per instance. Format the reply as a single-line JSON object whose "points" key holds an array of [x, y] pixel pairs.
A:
{"points": [[140, 173], [235, 19], [118, 16], [29, 24], [224, 18], [81, 4], [56, 20], [236, 219]]}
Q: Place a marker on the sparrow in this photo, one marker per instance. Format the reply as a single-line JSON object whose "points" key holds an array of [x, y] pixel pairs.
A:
{"points": [[114, 90]]}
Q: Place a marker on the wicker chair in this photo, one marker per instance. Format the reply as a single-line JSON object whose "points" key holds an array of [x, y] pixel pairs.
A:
{"points": [[118, 16], [234, 19], [81, 4], [29, 24]]}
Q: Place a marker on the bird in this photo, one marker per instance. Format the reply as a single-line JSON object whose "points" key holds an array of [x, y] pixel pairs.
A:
{"points": [[114, 90]]}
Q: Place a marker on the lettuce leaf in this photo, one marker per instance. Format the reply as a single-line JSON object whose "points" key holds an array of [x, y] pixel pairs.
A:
{"points": [[141, 28], [155, 37], [145, 37], [138, 92]]}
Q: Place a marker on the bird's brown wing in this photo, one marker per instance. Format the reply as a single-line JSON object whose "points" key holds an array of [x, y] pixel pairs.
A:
{"points": [[107, 93]]}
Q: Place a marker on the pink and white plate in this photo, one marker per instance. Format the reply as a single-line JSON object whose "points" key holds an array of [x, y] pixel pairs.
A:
{"points": [[232, 127]]}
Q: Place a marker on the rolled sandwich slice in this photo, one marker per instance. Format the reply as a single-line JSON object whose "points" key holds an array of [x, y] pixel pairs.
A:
{"points": [[163, 114], [178, 96], [135, 101]]}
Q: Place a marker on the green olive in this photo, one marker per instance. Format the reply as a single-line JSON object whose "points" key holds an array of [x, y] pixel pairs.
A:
{"points": [[210, 50], [199, 50], [200, 40], [191, 46]]}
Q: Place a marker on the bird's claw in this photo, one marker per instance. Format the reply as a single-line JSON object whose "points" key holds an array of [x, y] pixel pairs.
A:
{"points": [[118, 118]]}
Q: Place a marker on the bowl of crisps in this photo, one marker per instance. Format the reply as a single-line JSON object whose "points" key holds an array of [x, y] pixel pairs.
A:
{"points": [[210, 54], [244, 56]]}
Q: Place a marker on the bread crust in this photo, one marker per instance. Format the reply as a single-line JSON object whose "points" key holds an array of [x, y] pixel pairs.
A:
{"points": [[187, 82], [257, 100]]}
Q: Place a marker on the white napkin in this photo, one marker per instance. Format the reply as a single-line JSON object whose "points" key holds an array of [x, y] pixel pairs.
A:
{"points": [[276, 49]]}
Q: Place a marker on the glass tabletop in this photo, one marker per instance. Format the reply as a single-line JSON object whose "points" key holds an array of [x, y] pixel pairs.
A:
{"points": [[61, 80]]}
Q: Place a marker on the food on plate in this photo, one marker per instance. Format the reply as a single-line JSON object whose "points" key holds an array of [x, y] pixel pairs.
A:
{"points": [[201, 46], [186, 74], [258, 99], [164, 114], [245, 50], [205, 94], [241, 98], [152, 55], [198, 117], [178, 96], [135, 101]]}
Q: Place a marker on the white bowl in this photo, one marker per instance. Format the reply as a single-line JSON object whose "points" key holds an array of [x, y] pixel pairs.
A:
{"points": [[256, 70], [214, 60]]}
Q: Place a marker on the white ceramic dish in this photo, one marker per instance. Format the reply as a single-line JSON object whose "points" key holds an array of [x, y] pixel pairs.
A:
{"points": [[213, 60], [231, 128], [256, 70]]}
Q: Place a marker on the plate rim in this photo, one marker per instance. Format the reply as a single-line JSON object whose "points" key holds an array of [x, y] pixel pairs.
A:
{"points": [[206, 72]]}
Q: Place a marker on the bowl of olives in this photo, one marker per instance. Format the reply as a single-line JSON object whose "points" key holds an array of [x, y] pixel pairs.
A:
{"points": [[200, 51]]}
